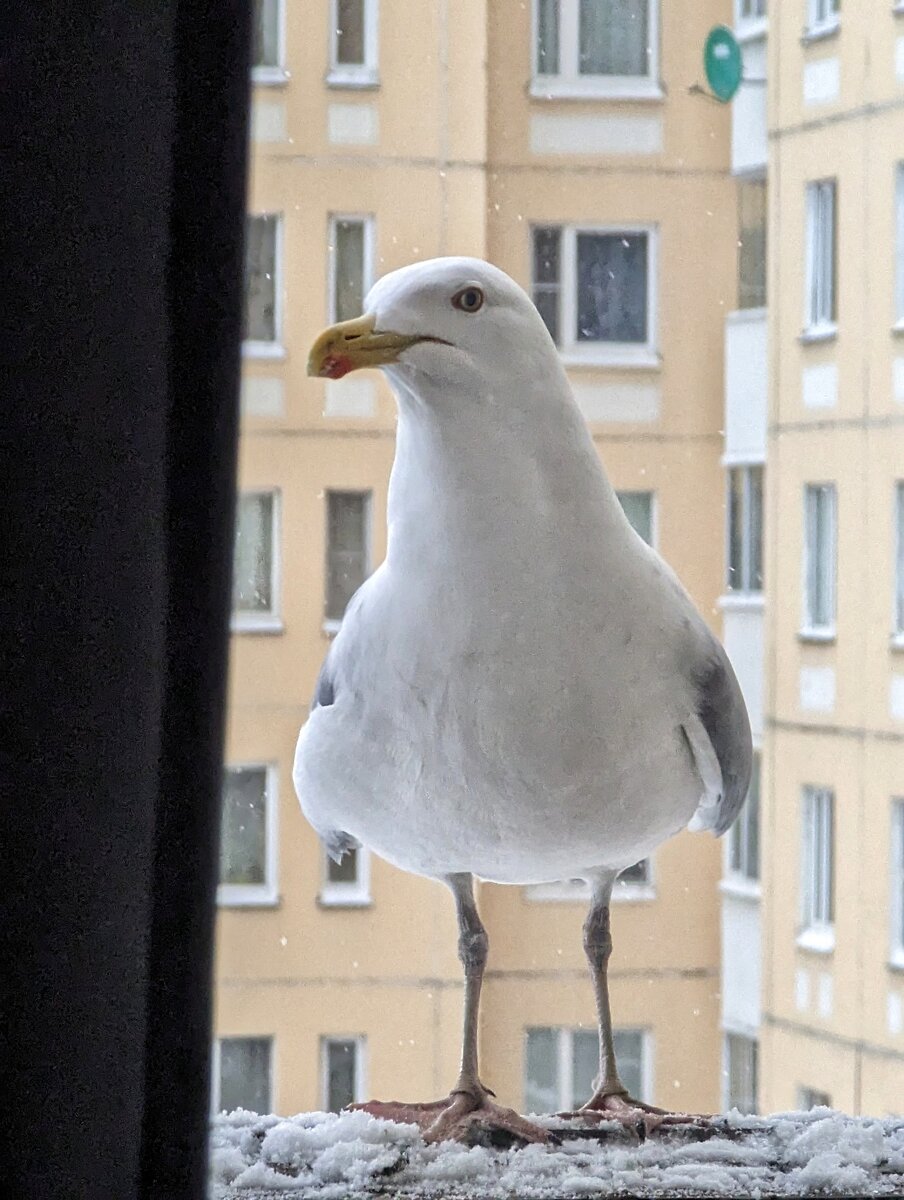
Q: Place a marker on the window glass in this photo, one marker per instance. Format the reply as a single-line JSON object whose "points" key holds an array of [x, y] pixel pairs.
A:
{"points": [[265, 33], [899, 557], [629, 1052], [744, 835], [751, 243], [547, 37], [344, 871], [341, 1073], [585, 1065], [252, 583], [243, 826], [350, 32], [612, 287], [349, 268], [742, 1066], [613, 37], [638, 508], [260, 278], [820, 555], [541, 1091], [547, 244], [244, 1074], [347, 566], [821, 253]]}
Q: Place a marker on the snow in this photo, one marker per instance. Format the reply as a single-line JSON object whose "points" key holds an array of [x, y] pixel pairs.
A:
{"points": [[324, 1156]]}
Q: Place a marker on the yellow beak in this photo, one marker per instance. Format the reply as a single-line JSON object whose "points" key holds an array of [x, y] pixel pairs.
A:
{"points": [[351, 345]]}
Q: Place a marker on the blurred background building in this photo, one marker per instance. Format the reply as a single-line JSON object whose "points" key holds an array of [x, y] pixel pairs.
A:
{"points": [[565, 141]]}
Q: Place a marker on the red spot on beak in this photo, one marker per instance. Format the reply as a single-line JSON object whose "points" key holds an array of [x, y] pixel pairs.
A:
{"points": [[334, 366]]}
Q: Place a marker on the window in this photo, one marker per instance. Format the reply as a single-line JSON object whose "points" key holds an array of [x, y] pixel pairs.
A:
{"points": [[741, 1069], [744, 835], [824, 15], [749, 10], [899, 559], [353, 43], [745, 529], [751, 243], [267, 41], [248, 836], [817, 883], [603, 47], [819, 558], [351, 241], [346, 884], [808, 1098], [638, 508], [594, 289], [347, 549], [897, 882], [255, 576], [262, 283], [561, 1066], [342, 1068], [821, 304], [899, 246], [242, 1074]]}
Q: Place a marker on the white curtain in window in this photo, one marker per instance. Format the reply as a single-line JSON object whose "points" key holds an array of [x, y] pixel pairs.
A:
{"points": [[614, 37], [612, 287], [243, 826], [252, 578]]}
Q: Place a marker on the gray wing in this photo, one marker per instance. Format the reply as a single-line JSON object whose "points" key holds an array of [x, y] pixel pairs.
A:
{"points": [[723, 714]]}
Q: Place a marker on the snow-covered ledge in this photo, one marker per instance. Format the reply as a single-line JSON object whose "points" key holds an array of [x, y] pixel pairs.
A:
{"points": [[321, 1156]]}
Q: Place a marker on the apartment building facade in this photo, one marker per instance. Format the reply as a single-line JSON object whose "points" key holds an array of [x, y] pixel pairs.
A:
{"points": [[571, 151]]}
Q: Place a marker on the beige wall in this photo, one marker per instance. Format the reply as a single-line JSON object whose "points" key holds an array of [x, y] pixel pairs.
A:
{"points": [[452, 172]]}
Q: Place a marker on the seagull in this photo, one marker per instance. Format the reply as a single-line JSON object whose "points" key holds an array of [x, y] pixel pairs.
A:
{"points": [[523, 691]]}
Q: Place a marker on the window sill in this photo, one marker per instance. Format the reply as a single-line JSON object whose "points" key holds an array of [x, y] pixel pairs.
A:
{"points": [[356, 81], [743, 316], [896, 958], [558, 893], [818, 333], [241, 896], [742, 602], [617, 89], [820, 33], [263, 350], [351, 899], [644, 361], [265, 625], [739, 887], [269, 76], [817, 941], [824, 637], [751, 30]]}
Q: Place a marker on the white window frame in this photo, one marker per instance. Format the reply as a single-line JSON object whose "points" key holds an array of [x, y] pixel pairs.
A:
{"points": [[654, 509], [749, 1035], [569, 83], [369, 223], [896, 884], [356, 75], [810, 631], [332, 625], [255, 347], [266, 894], [822, 19], [565, 1061], [357, 894], [817, 873], [577, 891], [604, 354], [274, 75], [744, 593], [821, 265], [899, 247], [215, 1057], [361, 1065], [266, 622], [897, 597]]}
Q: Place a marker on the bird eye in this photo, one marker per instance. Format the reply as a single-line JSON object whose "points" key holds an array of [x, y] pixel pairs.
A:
{"points": [[469, 299]]}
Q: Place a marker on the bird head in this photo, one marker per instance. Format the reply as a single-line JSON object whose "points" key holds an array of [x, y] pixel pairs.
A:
{"points": [[444, 319]]}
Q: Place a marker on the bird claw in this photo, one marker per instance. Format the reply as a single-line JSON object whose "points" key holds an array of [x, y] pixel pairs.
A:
{"points": [[464, 1116], [631, 1113]]}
